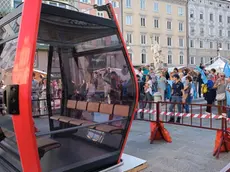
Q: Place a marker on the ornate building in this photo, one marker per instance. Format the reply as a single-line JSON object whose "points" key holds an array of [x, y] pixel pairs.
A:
{"points": [[163, 21], [209, 30]]}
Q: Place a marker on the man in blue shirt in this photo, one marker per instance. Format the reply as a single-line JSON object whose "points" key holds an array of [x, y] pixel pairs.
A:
{"points": [[177, 88]]}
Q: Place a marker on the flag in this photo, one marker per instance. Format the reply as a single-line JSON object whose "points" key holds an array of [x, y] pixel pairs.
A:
{"points": [[203, 76], [226, 70]]}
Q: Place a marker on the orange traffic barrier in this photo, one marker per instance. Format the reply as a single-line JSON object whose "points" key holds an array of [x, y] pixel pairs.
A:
{"points": [[222, 142], [158, 132]]}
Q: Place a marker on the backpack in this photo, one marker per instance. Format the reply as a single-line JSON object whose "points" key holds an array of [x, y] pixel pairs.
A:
{"points": [[204, 88]]}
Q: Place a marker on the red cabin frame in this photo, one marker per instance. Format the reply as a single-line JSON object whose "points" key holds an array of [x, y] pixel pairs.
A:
{"points": [[22, 75]]}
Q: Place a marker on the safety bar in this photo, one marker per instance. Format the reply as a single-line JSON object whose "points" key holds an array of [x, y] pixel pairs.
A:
{"points": [[78, 127]]}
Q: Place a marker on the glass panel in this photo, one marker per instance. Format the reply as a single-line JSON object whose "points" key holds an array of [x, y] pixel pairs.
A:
{"points": [[102, 78], [10, 29], [98, 43]]}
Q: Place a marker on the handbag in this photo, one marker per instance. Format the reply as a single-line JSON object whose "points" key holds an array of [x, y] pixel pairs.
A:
{"points": [[220, 96]]}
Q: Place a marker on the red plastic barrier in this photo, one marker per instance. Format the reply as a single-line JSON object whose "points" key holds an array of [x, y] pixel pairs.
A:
{"points": [[222, 142], [158, 132]]}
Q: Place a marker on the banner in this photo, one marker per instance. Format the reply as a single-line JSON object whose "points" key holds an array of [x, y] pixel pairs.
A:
{"points": [[226, 70], [203, 76]]}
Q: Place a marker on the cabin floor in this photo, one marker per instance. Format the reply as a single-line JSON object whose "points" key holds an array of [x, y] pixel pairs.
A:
{"points": [[191, 149]]}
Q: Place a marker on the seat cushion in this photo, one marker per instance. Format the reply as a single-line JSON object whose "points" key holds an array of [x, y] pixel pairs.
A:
{"points": [[108, 128], [46, 144], [55, 117], [65, 119]]}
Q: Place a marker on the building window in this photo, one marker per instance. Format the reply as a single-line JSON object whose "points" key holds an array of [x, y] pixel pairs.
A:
{"points": [[211, 17], [228, 46], [180, 11], [211, 45], [191, 14], [115, 4], [143, 21], [100, 13], [220, 45], [53, 4], [128, 3], [143, 39], [156, 23], [155, 7], [169, 25], [191, 43], [220, 32], [169, 59], [192, 60], [192, 30], [211, 60], [129, 38], [211, 31], [142, 4], [201, 44], [181, 59], [202, 60], [228, 19], [201, 31], [143, 57], [128, 20], [181, 42], [180, 27], [84, 1], [229, 33], [220, 18], [201, 16], [62, 5], [169, 41], [17, 3], [99, 2], [157, 39], [169, 9]]}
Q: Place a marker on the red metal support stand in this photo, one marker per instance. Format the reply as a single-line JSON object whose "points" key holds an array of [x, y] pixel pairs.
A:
{"points": [[157, 129], [222, 142]]}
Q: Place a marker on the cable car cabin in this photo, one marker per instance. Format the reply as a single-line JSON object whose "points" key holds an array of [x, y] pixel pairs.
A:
{"points": [[88, 132]]}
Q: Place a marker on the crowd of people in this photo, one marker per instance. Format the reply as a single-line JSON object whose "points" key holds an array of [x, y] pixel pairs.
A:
{"points": [[183, 87], [39, 105]]}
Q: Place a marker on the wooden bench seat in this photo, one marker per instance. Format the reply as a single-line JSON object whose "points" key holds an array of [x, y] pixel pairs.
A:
{"points": [[44, 144], [103, 108]]}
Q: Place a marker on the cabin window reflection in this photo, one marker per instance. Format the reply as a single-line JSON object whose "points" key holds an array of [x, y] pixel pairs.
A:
{"points": [[102, 78]]}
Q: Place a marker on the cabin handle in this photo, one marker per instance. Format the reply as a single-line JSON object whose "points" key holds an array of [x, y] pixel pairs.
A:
{"points": [[11, 99]]}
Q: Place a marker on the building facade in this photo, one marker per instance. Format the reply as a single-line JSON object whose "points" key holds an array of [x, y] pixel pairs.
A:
{"points": [[209, 30], [163, 21], [86, 6]]}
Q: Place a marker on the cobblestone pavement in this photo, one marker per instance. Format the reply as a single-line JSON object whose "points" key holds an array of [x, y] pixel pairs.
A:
{"points": [[190, 151]]}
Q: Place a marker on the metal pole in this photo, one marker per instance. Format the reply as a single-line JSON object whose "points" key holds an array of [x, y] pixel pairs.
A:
{"points": [[122, 12], [187, 32]]}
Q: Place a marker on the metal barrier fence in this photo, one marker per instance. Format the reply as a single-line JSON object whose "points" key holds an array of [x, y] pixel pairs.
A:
{"points": [[39, 106], [192, 115]]}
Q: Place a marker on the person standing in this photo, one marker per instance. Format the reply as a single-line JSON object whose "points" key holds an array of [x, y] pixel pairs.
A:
{"points": [[187, 98], [220, 85], [200, 81], [228, 97], [162, 85], [148, 91], [211, 93], [177, 88], [35, 95]]}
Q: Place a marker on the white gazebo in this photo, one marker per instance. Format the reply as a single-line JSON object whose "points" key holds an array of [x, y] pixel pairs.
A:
{"points": [[218, 64]]}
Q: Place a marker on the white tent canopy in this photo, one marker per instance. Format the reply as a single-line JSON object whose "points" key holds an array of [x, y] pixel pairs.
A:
{"points": [[218, 65]]}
